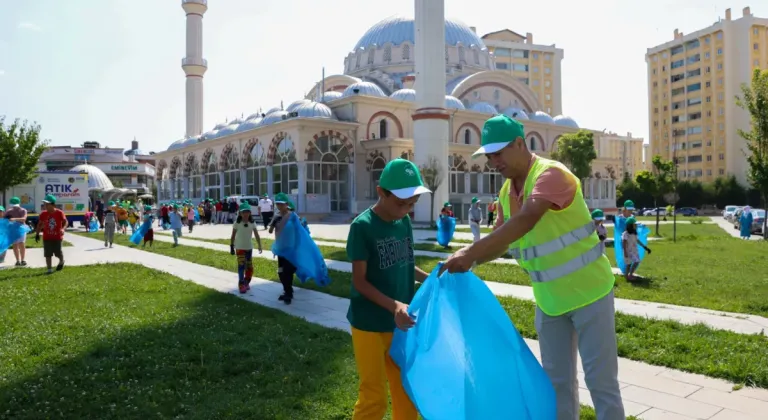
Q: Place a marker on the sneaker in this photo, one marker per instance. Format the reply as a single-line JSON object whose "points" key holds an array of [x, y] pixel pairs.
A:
{"points": [[50, 271], [18, 264], [243, 288], [110, 245], [105, 244], [288, 300], [23, 263], [60, 266], [281, 298]]}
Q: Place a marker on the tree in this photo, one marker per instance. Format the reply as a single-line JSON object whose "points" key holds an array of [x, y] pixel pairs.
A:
{"points": [[755, 100], [20, 150], [576, 151], [432, 175], [657, 182]]}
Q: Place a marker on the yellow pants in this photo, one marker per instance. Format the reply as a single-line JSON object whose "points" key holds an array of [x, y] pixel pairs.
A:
{"points": [[376, 368]]}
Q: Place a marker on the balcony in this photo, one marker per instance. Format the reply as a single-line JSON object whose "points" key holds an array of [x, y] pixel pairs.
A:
{"points": [[194, 61], [203, 2]]}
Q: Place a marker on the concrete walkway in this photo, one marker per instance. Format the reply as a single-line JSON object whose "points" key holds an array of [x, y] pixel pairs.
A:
{"points": [[728, 228], [650, 392], [736, 322]]}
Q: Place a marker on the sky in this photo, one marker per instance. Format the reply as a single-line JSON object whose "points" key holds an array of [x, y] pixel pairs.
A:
{"points": [[110, 70]]}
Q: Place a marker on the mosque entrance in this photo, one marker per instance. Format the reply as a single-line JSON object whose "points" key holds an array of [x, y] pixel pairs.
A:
{"points": [[328, 171]]}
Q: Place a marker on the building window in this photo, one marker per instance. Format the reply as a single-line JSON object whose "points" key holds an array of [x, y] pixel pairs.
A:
{"points": [[502, 52], [676, 64], [709, 158], [520, 53], [719, 66], [532, 146], [721, 156], [536, 82], [706, 54], [520, 67], [548, 97], [719, 51], [406, 52], [547, 70], [547, 57], [502, 66], [388, 53], [720, 96], [232, 174], [285, 171], [535, 69], [721, 171], [756, 46], [371, 55], [476, 56], [721, 127], [376, 168], [694, 87], [535, 56], [383, 129], [719, 35], [256, 171], [755, 31], [467, 136], [706, 40], [458, 173], [756, 63]]}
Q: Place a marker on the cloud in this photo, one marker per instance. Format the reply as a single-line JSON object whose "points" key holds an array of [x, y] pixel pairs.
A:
{"points": [[29, 26], [2, 72]]}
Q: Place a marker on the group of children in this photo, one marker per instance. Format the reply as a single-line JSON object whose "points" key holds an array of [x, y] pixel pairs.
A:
{"points": [[627, 224], [117, 219]]}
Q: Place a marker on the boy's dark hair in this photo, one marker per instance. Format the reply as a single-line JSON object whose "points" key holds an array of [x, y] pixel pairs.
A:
{"points": [[386, 192], [240, 218], [632, 229]]}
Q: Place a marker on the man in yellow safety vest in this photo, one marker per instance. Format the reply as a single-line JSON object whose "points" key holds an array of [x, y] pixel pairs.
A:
{"points": [[549, 229]]}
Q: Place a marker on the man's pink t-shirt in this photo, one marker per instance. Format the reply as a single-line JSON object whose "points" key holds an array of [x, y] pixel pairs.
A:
{"points": [[553, 185]]}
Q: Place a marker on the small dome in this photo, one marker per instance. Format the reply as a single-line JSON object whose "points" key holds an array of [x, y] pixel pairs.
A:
{"points": [[176, 145], [363, 89], [249, 124], [451, 102], [273, 110], [516, 113], [484, 107], [273, 117], [136, 152], [331, 95], [219, 126], [313, 110], [230, 129], [404, 95], [190, 141], [236, 121], [252, 116], [295, 104], [210, 135], [564, 121], [96, 177], [542, 117]]}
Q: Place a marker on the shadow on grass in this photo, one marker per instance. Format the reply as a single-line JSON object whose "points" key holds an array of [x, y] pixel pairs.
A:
{"points": [[102, 344]]}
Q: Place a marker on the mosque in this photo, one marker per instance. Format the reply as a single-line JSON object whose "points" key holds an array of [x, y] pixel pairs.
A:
{"points": [[327, 149]]}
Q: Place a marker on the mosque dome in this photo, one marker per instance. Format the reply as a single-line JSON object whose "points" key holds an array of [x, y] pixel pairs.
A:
{"points": [[96, 177], [331, 95], [273, 117], [295, 104], [273, 110], [313, 110], [515, 113], [251, 123], [230, 129], [541, 117], [451, 102], [209, 135], [176, 145], [484, 107], [397, 30], [190, 141], [564, 121], [236, 121], [219, 126], [255, 115], [363, 89], [404, 95]]}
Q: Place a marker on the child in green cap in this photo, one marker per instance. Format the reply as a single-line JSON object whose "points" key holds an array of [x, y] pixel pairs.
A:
{"points": [[240, 244], [285, 270], [52, 223], [110, 224], [629, 242], [384, 274], [149, 219], [602, 233]]}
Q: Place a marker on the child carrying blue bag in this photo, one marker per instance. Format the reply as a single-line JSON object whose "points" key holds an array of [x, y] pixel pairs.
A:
{"points": [[445, 228], [464, 359]]}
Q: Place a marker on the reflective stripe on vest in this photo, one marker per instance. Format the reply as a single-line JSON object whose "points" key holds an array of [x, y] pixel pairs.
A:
{"points": [[515, 253], [569, 267], [557, 244]]}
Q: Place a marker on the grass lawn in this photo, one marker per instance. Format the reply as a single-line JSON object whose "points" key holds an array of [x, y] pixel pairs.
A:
{"points": [[693, 348], [685, 231], [679, 218], [102, 344]]}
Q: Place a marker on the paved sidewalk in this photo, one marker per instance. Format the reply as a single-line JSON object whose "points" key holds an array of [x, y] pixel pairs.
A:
{"points": [[651, 392], [728, 228], [736, 322]]}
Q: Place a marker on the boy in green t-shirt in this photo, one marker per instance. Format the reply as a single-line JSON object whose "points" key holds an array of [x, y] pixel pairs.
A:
{"points": [[380, 246]]}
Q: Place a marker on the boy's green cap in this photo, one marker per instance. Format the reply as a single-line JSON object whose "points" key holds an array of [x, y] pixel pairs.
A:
{"points": [[631, 220], [474, 200], [629, 205], [597, 214], [447, 204], [402, 178], [282, 198], [498, 132], [50, 199], [244, 206], [2, 208], [15, 201], [147, 208]]}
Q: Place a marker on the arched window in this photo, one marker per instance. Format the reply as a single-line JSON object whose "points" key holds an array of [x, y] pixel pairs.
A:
{"points": [[195, 177], [492, 180], [458, 174], [462, 59], [285, 172], [467, 136], [178, 180], [474, 179], [357, 59], [446, 53], [165, 186], [256, 171], [371, 55], [376, 167], [533, 144], [388, 53], [383, 128], [406, 52], [328, 171], [476, 56], [232, 174], [211, 177]]}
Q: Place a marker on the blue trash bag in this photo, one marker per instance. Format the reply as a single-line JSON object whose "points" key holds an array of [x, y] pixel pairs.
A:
{"points": [[642, 236], [142, 230], [445, 228], [197, 216], [93, 226], [305, 224], [295, 245], [464, 359], [11, 232]]}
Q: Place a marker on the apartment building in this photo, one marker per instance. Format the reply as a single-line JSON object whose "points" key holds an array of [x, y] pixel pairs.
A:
{"points": [[538, 66], [692, 84], [624, 152]]}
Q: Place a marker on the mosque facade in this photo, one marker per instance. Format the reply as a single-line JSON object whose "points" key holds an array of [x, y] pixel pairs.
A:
{"points": [[328, 149]]}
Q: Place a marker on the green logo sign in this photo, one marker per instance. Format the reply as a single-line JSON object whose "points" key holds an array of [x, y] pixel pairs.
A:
{"points": [[133, 168]]}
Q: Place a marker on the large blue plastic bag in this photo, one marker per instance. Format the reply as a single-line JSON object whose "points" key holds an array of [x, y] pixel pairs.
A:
{"points": [[141, 231], [93, 226], [445, 228], [11, 232], [197, 216], [295, 245], [618, 247], [464, 359]]}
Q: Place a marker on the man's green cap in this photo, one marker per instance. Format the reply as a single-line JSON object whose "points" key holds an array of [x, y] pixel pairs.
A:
{"points": [[50, 199], [244, 206], [631, 220], [498, 132], [474, 200], [402, 178], [447, 204], [147, 208], [15, 201], [597, 214], [282, 198], [629, 205]]}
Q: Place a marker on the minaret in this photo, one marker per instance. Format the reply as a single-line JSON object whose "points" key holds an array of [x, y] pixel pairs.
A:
{"points": [[430, 120], [194, 64]]}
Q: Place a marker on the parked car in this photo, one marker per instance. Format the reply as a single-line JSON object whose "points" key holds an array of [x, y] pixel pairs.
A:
{"points": [[736, 216], [729, 211], [661, 211], [758, 216], [687, 211]]}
